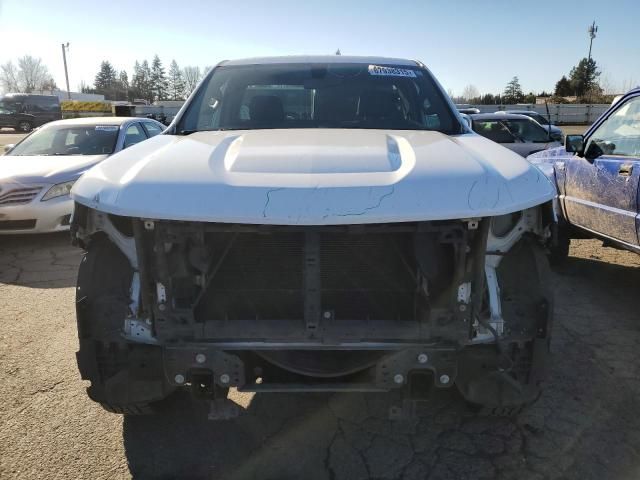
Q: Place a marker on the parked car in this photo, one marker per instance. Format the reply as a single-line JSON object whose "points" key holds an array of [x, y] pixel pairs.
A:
{"points": [[518, 133], [25, 111], [21, 122], [313, 224], [597, 176], [36, 175], [554, 131], [469, 110]]}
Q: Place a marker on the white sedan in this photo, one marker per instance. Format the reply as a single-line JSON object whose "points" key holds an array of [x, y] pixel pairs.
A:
{"points": [[34, 189], [518, 133]]}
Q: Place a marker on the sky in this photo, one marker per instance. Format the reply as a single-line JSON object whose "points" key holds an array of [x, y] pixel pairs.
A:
{"points": [[483, 43]]}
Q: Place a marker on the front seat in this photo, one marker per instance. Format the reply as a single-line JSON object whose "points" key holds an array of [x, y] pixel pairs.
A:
{"points": [[380, 105], [266, 108]]}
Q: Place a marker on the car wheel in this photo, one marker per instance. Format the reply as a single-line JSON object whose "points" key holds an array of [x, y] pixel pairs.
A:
{"points": [[126, 377], [24, 126]]}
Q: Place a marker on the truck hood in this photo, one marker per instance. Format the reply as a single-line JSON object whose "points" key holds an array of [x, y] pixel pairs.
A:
{"points": [[313, 177], [45, 169]]}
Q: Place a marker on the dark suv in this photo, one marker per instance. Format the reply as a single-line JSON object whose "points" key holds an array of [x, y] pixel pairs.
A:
{"points": [[24, 112]]}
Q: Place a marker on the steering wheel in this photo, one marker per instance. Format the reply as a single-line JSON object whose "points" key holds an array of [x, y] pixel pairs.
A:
{"points": [[72, 150]]}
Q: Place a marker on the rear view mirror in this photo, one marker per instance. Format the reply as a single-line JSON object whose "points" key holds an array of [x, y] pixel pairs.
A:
{"points": [[574, 144], [8, 148]]}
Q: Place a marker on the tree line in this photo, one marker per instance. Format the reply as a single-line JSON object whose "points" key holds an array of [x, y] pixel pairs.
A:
{"points": [[149, 81], [581, 83]]}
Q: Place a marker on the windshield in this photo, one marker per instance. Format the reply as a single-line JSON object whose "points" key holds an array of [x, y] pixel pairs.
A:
{"points": [[11, 105], [69, 140], [538, 118], [319, 96], [511, 130]]}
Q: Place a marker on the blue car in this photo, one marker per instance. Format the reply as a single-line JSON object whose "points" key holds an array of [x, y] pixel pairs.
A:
{"points": [[597, 176]]}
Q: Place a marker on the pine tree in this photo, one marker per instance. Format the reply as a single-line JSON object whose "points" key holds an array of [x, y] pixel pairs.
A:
{"points": [[176, 82], [137, 87], [105, 81], [123, 85], [158, 79], [584, 77], [146, 90], [563, 87], [513, 92]]}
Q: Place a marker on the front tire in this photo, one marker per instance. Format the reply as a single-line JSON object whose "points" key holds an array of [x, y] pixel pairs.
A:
{"points": [[126, 377], [24, 126]]}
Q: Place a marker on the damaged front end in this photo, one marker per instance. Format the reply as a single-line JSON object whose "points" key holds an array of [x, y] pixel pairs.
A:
{"points": [[369, 307]]}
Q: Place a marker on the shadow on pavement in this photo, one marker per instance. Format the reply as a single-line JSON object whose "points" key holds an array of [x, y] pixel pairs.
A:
{"points": [[278, 436], [39, 260], [584, 425]]}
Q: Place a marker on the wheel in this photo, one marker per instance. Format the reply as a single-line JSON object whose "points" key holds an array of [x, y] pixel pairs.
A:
{"points": [[24, 126], [125, 377], [559, 245]]}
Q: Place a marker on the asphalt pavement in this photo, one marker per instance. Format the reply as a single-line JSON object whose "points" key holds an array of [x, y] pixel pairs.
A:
{"points": [[8, 136], [585, 425]]}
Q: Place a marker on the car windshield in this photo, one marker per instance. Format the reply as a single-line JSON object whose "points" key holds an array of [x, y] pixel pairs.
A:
{"points": [[69, 140], [319, 96], [511, 130], [538, 118]]}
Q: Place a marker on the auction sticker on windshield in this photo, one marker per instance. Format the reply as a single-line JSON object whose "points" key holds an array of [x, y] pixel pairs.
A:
{"points": [[390, 71], [107, 128]]}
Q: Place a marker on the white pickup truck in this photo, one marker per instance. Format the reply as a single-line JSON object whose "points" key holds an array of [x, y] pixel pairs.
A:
{"points": [[314, 224]]}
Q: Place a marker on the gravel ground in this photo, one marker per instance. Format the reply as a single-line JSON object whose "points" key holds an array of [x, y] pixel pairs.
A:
{"points": [[585, 426]]}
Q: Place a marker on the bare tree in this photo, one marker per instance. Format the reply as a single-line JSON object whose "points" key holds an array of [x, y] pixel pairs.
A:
{"points": [[450, 93], [9, 77], [32, 74], [628, 84], [607, 85], [470, 92], [191, 76]]}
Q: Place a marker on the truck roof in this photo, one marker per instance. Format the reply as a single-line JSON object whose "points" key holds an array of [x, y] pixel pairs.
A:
{"points": [[322, 59]]}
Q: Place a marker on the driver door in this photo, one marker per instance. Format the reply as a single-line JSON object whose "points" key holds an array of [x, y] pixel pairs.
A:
{"points": [[602, 186], [7, 118]]}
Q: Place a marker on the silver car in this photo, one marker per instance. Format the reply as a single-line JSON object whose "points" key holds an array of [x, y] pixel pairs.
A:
{"points": [[518, 133], [554, 131], [34, 189]]}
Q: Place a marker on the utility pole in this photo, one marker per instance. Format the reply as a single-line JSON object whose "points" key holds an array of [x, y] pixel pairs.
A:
{"points": [[593, 29], [65, 47]]}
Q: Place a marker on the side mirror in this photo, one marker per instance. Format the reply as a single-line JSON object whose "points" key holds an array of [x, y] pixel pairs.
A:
{"points": [[8, 148], [467, 120], [574, 144]]}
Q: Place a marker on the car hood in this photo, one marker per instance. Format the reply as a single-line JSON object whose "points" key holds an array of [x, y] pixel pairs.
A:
{"points": [[552, 128], [45, 169], [550, 156], [313, 177]]}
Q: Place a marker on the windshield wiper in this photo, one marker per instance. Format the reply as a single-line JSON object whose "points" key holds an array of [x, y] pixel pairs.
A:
{"points": [[187, 132]]}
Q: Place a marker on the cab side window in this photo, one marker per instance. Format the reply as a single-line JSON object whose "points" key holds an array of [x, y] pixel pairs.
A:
{"points": [[620, 133], [493, 130], [152, 129], [133, 135]]}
